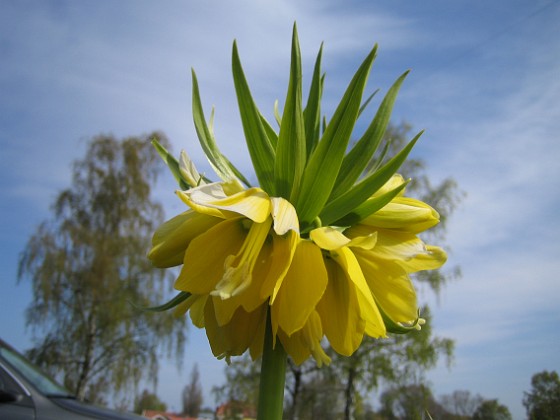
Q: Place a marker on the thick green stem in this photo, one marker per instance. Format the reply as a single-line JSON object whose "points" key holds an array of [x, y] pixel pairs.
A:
{"points": [[273, 377]]}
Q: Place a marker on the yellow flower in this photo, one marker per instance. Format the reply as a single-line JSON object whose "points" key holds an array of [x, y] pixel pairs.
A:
{"points": [[235, 249], [320, 251], [243, 250], [347, 308]]}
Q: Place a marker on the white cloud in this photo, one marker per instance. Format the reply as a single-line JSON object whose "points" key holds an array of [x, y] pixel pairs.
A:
{"points": [[126, 70], [504, 236]]}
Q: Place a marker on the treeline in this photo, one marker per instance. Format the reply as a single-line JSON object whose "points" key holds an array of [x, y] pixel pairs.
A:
{"points": [[323, 396], [191, 398]]}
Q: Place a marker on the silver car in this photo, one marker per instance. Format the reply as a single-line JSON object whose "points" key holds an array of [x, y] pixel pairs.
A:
{"points": [[26, 393]]}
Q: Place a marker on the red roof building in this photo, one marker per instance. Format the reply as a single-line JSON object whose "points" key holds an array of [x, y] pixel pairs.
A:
{"points": [[162, 415]]}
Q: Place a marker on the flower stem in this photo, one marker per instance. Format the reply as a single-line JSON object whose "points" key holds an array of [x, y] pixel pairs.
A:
{"points": [[273, 377]]}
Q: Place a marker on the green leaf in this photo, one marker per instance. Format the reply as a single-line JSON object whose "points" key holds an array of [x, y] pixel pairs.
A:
{"points": [[369, 207], [271, 134], [357, 159], [237, 172], [366, 102], [290, 151], [377, 161], [394, 327], [312, 112], [277, 116], [221, 165], [179, 298], [260, 150], [364, 189], [323, 166], [172, 163]]}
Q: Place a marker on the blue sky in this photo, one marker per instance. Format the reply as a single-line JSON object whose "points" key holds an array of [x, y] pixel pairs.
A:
{"points": [[485, 84]]}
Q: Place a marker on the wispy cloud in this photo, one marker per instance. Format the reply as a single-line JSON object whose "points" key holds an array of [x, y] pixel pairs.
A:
{"points": [[122, 70]]}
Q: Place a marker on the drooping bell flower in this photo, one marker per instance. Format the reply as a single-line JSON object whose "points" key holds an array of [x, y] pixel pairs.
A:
{"points": [[320, 251]]}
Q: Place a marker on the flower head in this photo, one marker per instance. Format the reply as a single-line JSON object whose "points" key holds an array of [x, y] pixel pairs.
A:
{"points": [[322, 246]]}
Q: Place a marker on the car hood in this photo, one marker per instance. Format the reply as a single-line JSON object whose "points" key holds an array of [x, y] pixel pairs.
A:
{"points": [[91, 410]]}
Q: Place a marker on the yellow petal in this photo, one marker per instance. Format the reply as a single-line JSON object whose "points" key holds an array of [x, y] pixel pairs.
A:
{"points": [[403, 248], [433, 257], [232, 186], [313, 334], [306, 342], [256, 347], [394, 245], [295, 346], [284, 216], [328, 238], [188, 170], [250, 299], [234, 338], [206, 254], [238, 268], [195, 305], [215, 333], [171, 239], [197, 311], [242, 329], [340, 313], [224, 309], [390, 285], [395, 181], [184, 306], [213, 192], [375, 327], [404, 213], [364, 242], [283, 248], [211, 199], [302, 288]]}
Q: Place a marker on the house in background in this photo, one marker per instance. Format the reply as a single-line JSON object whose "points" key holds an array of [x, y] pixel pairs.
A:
{"points": [[162, 415], [236, 410]]}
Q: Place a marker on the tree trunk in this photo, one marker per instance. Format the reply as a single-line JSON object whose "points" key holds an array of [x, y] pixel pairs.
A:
{"points": [[85, 368], [295, 393], [349, 393]]}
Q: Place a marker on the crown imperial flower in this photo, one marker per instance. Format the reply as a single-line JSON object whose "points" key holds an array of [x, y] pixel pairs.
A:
{"points": [[323, 247]]}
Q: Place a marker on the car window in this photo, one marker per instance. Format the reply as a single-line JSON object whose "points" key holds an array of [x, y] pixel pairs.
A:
{"points": [[37, 378], [7, 384], [18, 409]]}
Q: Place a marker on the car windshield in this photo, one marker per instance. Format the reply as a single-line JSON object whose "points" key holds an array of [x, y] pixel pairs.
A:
{"points": [[38, 379]]}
